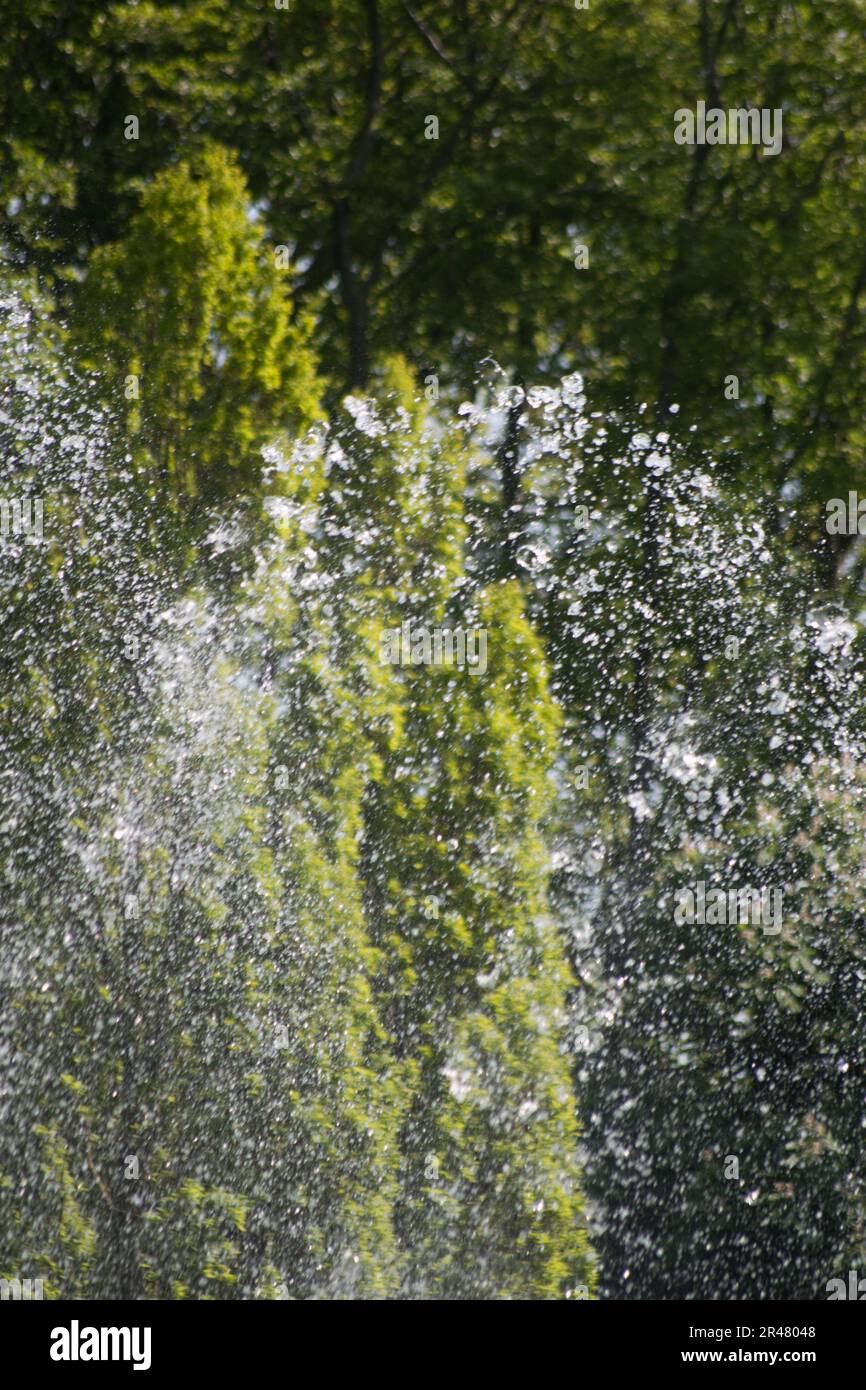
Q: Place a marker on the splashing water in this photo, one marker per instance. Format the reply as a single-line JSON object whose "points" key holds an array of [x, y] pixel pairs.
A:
{"points": [[241, 1053]]}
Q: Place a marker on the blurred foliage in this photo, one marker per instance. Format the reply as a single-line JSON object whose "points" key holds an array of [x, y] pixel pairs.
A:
{"points": [[282, 231], [187, 320], [212, 835], [555, 128]]}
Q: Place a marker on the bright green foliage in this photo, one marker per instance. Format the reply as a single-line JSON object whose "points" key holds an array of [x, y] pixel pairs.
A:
{"points": [[234, 1051], [187, 319], [480, 971], [473, 984]]}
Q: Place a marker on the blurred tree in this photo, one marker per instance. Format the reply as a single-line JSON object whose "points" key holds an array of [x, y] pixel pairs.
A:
{"points": [[473, 982], [555, 131], [196, 1096], [187, 320]]}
